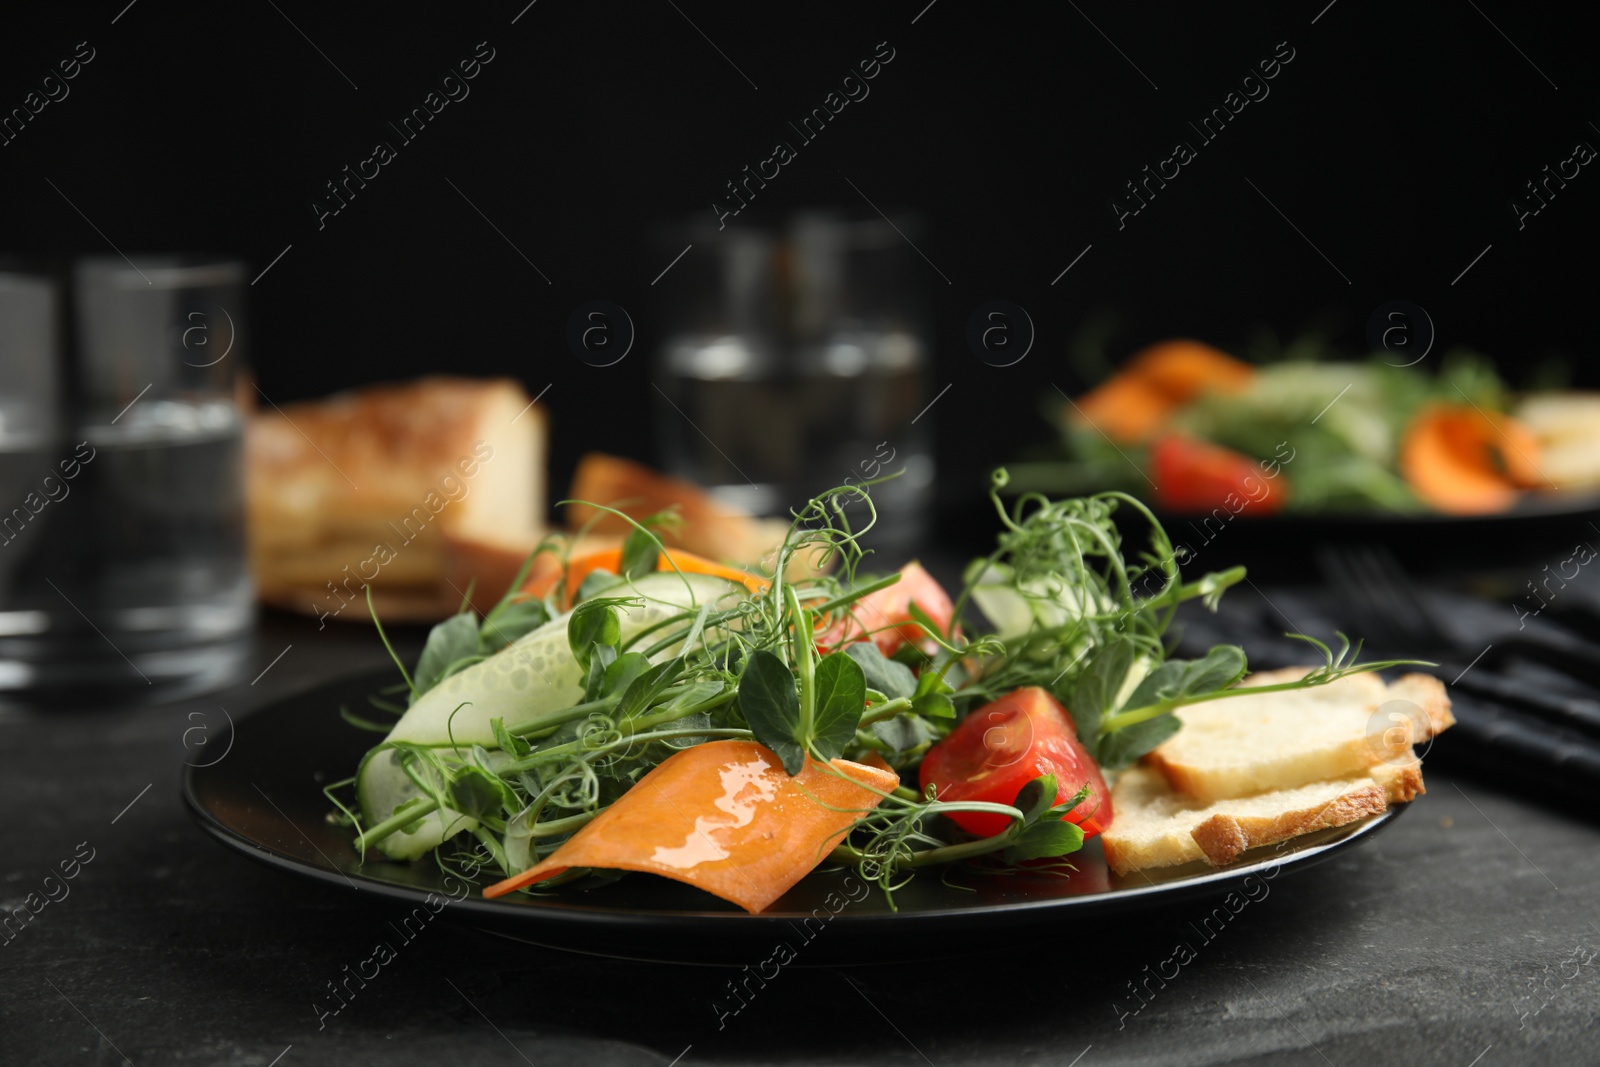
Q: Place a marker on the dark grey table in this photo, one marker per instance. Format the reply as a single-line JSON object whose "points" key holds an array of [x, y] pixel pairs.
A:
{"points": [[1448, 939]]}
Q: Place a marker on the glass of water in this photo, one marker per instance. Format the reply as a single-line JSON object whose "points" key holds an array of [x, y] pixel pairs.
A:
{"points": [[128, 578], [794, 360]]}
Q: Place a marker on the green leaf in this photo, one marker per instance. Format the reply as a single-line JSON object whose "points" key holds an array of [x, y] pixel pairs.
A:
{"points": [[1036, 798], [621, 674], [771, 706], [1122, 747], [647, 688], [591, 624], [931, 696], [408, 805], [1179, 679], [1051, 837], [841, 693], [695, 693], [510, 621], [595, 582], [909, 655], [601, 657], [885, 675], [449, 642], [905, 731], [478, 792], [688, 722], [640, 553], [1096, 688], [507, 741]]}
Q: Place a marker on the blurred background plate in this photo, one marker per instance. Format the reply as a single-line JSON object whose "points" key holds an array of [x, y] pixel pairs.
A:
{"points": [[266, 801], [1278, 547]]}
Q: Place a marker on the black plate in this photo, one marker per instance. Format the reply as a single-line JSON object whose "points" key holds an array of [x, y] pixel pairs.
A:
{"points": [[263, 797]]}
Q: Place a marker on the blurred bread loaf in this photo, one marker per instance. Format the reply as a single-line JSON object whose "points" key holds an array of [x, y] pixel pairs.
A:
{"points": [[364, 487]]}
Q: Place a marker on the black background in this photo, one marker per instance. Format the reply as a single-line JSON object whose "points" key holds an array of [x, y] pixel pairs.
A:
{"points": [[1395, 140]]}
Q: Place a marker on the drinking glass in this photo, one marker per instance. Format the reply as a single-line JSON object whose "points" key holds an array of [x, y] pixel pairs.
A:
{"points": [[132, 573], [795, 363]]}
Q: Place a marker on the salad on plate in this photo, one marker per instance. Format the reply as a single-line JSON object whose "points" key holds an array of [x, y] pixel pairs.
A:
{"points": [[647, 710]]}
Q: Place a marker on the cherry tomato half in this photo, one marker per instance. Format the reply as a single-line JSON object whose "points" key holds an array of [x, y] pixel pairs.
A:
{"points": [[1001, 747], [888, 613]]}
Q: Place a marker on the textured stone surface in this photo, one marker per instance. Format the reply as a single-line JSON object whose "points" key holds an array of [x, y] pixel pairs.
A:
{"points": [[1424, 946]]}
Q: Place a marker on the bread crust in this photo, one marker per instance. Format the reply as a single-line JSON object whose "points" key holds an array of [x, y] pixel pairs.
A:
{"points": [[1224, 837], [1401, 781], [1429, 694]]}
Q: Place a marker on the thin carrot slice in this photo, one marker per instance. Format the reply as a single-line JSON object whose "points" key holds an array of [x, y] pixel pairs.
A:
{"points": [[1125, 408], [1466, 461], [1183, 369], [543, 580], [1141, 397], [725, 817]]}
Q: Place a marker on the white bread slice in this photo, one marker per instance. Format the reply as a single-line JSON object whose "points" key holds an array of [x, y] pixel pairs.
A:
{"points": [[1156, 827], [1250, 744]]}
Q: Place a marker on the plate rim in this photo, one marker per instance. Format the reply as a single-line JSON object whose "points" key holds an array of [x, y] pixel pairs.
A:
{"points": [[533, 910]]}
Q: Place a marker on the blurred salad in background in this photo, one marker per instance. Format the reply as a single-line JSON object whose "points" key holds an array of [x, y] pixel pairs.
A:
{"points": [[1193, 428]]}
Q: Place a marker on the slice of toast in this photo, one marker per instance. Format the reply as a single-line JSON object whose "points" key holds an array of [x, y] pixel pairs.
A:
{"points": [[1255, 743], [1156, 827]]}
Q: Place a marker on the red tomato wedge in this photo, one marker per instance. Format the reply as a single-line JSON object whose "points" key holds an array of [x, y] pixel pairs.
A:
{"points": [[723, 816], [1001, 747], [886, 614], [1193, 476]]}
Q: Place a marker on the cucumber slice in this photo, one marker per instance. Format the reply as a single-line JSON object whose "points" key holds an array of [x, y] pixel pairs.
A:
{"points": [[536, 675]]}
